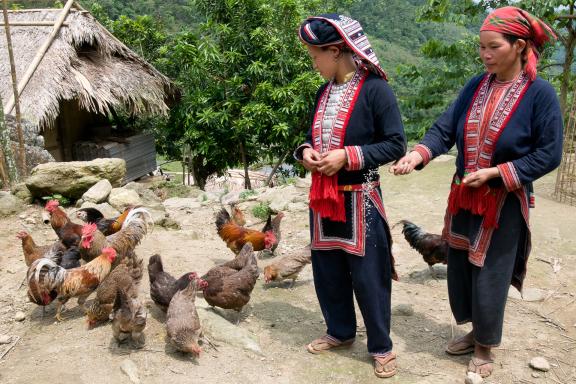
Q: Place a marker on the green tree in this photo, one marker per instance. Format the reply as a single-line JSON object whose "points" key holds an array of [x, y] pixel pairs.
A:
{"points": [[247, 85], [435, 82]]}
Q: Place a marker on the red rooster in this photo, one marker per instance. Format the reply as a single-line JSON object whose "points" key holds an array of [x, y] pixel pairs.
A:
{"points": [[133, 230], [48, 281], [236, 236], [67, 231]]}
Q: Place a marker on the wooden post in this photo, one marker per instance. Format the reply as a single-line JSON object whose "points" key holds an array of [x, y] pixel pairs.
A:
{"points": [[22, 171], [39, 55], [6, 151]]}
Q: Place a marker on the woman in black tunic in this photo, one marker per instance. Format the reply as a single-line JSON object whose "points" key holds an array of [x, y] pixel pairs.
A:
{"points": [[356, 128]]}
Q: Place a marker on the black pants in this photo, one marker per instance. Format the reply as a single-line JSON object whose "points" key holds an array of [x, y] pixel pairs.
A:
{"points": [[479, 294], [338, 275]]}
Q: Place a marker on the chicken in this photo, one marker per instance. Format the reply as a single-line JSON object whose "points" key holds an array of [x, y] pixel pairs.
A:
{"points": [[433, 249], [163, 286], [67, 231], [48, 281], [71, 258], [288, 267], [182, 322], [237, 215], [232, 266], [232, 290], [33, 252], [106, 226], [274, 226], [121, 278], [129, 315], [133, 230], [236, 236]]}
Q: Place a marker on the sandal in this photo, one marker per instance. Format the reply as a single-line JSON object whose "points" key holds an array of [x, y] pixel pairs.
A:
{"points": [[383, 362], [460, 346], [481, 367], [325, 343]]}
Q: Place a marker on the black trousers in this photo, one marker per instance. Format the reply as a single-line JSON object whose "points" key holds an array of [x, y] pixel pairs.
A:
{"points": [[478, 295], [339, 275]]}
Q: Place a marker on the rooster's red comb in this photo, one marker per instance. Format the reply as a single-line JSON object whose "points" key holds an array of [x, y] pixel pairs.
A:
{"points": [[109, 252], [89, 229], [51, 205]]}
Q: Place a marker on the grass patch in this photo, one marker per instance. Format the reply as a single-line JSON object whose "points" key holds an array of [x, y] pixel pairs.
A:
{"points": [[262, 210], [247, 193]]}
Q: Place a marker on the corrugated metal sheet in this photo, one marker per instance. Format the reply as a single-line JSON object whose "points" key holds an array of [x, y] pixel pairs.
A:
{"points": [[138, 151]]}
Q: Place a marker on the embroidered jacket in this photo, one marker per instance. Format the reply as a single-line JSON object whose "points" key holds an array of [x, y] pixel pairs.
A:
{"points": [[528, 147], [374, 136]]}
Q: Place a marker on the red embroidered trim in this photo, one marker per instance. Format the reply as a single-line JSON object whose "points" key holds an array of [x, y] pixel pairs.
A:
{"points": [[478, 151], [354, 245], [425, 152], [325, 198], [509, 176], [355, 158], [478, 249]]}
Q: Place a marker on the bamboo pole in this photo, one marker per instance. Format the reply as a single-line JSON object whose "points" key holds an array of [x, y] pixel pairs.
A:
{"points": [[39, 55], [32, 23], [10, 168], [22, 158]]}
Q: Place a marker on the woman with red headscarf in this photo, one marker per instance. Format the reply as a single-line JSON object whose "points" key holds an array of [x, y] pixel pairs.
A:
{"points": [[356, 128], [507, 126]]}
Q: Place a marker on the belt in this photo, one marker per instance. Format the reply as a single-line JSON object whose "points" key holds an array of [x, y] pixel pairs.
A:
{"points": [[359, 187]]}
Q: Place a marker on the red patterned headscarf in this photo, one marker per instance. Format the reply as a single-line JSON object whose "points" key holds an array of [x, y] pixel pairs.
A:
{"points": [[517, 22]]}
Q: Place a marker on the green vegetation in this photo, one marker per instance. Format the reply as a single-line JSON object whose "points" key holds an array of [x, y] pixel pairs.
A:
{"points": [[247, 85], [61, 199], [261, 211], [247, 193]]}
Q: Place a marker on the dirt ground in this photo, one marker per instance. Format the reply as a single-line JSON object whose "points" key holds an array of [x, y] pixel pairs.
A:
{"points": [[284, 320]]}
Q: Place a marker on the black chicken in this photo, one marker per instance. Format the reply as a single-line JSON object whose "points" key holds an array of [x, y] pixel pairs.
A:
{"points": [[433, 249]]}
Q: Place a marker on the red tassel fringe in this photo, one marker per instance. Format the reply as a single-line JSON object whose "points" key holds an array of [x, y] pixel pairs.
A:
{"points": [[479, 201], [325, 199]]}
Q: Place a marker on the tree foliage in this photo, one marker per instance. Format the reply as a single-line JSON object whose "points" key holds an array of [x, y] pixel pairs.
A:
{"points": [[433, 84]]}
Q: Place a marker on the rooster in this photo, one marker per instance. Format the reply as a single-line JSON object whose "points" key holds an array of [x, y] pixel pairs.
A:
{"points": [[33, 252], [163, 286], [106, 226], [433, 249], [129, 315], [48, 281], [133, 230], [67, 231], [231, 289], [274, 226], [288, 267], [237, 215], [121, 278], [182, 321], [236, 236]]}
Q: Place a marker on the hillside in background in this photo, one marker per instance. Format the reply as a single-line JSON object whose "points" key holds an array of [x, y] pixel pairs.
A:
{"points": [[390, 25]]}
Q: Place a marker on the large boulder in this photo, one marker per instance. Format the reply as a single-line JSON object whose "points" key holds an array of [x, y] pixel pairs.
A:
{"points": [[107, 210], [280, 198], [98, 192], [21, 191], [72, 179], [120, 198], [9, 204], [149, 198]]}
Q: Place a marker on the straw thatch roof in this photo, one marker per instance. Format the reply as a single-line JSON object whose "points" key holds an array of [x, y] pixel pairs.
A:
{"points": [[85, 62]]}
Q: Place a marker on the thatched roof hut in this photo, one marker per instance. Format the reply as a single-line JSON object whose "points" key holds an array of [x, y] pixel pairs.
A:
{"points": [[85, 62], [84, 76]]}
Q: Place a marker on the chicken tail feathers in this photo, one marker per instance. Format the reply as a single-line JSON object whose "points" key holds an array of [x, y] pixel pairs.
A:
{"points": [[155, 267], [222, 218]]}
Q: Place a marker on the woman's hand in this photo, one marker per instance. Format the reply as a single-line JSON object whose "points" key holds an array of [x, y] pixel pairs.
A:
{"points": [[311, 159], [478, 178], [332, 161], [406, 164]]}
